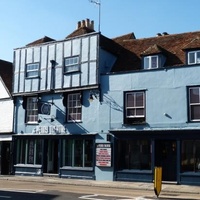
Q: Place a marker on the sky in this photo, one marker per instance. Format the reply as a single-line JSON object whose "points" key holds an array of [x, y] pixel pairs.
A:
{"points": [[24, 21]]}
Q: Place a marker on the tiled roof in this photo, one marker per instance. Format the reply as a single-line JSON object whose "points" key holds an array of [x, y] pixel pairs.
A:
{"points": [[173, 46], [125, 37], [80, 31], [194, 44], [154, 49], [6, 73], [40, 41]]}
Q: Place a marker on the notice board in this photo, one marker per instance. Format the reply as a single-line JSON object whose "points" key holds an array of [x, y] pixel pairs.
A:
{"points": [[103, 155]]}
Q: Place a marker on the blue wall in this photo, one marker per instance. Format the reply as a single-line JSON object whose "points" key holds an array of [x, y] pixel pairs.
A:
{"points": [[166, 92]]}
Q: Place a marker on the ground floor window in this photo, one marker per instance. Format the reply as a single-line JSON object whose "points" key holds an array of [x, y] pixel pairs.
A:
{"points": [[134, 154], [190, 159], [29, 151], [77, 153]]}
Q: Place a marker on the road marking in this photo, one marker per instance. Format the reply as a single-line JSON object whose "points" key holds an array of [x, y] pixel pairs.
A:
{"points": [[98, 196], [91, 196]]}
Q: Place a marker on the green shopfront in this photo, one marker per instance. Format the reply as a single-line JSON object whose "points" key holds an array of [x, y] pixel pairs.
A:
{"points": [[63, 155]]}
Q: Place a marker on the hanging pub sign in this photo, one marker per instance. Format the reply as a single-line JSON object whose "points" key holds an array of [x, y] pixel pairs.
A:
{"points": [[103, 155], [44, 108]]}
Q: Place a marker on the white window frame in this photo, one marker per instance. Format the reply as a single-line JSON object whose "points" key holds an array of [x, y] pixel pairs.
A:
{"points": [[134, 107], [196, 57], [193, 104], [71, 64], [32, 110], [32, 70], [148, 62], [74, 107]]}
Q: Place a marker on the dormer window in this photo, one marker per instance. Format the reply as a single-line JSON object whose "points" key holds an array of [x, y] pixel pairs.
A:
{"points": [[193, 57], [151, 62]]}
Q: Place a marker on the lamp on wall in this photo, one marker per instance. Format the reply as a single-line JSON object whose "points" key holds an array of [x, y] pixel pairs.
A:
{"points": [[94, 94], [91, 98]]}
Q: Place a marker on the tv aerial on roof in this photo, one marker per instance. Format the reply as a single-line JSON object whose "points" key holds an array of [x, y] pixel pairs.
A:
{"points": [[98, 3]]}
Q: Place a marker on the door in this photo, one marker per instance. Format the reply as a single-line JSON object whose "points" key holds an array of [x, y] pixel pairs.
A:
{"points": [[166, 157], [50, 161], [5, 157]]}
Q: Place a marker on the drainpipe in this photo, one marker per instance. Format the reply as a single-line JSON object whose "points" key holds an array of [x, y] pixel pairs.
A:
{"points": [[53, 64]]}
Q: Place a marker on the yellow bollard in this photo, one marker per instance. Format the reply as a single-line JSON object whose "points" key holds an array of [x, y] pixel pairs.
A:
{"points": [[157, 180]]}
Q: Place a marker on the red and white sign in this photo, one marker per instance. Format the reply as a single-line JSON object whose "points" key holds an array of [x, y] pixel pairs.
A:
{"points": [[103, 155]]}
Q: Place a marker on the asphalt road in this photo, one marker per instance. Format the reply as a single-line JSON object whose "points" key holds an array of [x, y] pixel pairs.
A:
{"points": [[19, 190]]}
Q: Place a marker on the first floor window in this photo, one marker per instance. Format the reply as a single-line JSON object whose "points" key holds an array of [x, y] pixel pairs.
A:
{"points": [[134, 107], [71, 64], [194, 104], [190, 156], [134, 154], [29, 151], [32, 110], [77, 153], [193, 57], [74, 108], [32, 70]]}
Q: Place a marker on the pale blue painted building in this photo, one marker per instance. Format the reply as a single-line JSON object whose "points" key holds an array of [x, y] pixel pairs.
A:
{"points": [[94, 108]]}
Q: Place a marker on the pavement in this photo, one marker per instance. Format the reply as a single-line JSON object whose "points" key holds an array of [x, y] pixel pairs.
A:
{"points": [[166, 187]]}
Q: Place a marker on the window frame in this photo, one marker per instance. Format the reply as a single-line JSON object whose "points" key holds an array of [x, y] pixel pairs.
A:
{"points": [[72, 66], [73, 158], [31, 110], [190, 105], [196, 59], [29, 151], [32, 70], [190, 156], [150, 63], [135, 118], [74, 107]]}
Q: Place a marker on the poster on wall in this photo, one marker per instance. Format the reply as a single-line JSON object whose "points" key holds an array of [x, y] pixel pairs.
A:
{"points": [[103, 155]]}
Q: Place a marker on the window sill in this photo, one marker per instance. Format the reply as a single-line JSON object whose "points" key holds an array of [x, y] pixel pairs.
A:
{"points": [[74, 121], [134, 123], [71, 72], [33, 77], [31, 123], [77, 168], [194, 121], [28, 165]]}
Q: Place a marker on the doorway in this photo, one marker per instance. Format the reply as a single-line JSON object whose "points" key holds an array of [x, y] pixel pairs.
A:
{"points": [[5, 158], [166, 157], [50, 161]]}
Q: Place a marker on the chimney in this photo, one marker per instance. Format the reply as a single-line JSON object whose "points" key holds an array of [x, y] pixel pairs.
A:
{"points": [[158, 34], [83, 23], [165, 33], [92, 25], [78, 25], [86, 23]]}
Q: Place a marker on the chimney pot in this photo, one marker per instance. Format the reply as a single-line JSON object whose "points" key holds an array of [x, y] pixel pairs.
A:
{"points": [[92, 25], [158, 34], [83, 23], [87, 23], [78, 24], [165, 33]]}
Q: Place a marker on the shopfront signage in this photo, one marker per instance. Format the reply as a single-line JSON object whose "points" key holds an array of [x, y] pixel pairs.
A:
{"points": [[103, 155], [50, 130]]}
